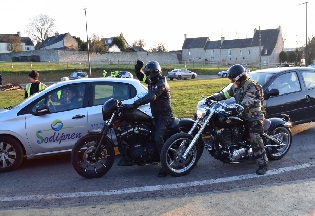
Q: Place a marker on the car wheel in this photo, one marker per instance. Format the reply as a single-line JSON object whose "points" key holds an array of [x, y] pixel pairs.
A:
{"points": [[193, 76], [11, 154], [171, 78], [180, 77]]}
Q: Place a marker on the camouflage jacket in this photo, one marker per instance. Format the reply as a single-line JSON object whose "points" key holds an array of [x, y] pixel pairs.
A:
{"points": [[250, 95]]}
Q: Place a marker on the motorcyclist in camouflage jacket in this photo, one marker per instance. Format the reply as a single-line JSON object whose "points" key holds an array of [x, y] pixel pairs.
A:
{"points": [[159, 98], [249, 94]]}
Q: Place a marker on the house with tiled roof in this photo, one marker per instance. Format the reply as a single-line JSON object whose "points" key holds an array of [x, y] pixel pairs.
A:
{"points": [[8, 40], [60, 42], [265, 47]]}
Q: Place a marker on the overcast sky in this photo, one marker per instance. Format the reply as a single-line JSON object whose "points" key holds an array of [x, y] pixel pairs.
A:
{"points": [[166, 21]]}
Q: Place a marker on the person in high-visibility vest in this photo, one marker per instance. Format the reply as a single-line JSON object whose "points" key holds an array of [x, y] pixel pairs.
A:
{"points": [[35, 85], [115, 74], [104, 73]]}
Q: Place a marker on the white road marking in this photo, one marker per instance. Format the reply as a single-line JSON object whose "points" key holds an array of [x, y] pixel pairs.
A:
{"points": [[153, 188]]}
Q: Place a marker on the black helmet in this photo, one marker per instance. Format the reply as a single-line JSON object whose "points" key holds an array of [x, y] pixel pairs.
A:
{"points": [[236, 71], [109, 107], [152, 70]]}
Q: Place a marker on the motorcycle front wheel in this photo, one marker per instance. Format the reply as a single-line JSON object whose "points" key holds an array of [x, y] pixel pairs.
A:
{"points": [[172, 155], [284, 136], [84, 160]]}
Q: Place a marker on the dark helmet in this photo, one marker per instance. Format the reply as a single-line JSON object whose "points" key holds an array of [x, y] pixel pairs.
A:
{"points": [[236, 71], [152, 70], [109, 107]]}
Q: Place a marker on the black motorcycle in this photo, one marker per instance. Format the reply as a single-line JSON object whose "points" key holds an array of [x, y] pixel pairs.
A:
{"points": [[93, 155], [225, 134]]}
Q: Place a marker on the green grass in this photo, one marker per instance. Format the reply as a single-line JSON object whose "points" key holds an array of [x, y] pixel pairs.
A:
{"points": [[185, 94], [17, 72]]}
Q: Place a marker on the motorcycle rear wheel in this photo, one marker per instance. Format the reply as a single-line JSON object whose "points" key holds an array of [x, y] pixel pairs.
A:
{"points": [[82, 157], [172, 151], [283, 135]]}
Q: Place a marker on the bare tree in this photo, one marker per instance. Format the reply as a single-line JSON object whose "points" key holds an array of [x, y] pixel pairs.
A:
{"points": [[159, 48], [139, 43], [96, 45], [41, 27]]}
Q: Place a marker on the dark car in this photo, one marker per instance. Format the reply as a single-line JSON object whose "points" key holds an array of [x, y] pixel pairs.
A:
{"points": [[288, 90]]}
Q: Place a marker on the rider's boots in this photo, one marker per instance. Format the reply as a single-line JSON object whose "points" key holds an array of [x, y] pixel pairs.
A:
{"points": [[124, 162], [162, 172], [262, 169]]}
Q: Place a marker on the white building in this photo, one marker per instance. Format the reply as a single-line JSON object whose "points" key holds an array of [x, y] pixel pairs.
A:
{"points": [[7, 41], [264, 47]]}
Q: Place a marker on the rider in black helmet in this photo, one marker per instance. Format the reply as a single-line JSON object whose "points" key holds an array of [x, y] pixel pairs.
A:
{"points": [[249, 94], [159, 97]]}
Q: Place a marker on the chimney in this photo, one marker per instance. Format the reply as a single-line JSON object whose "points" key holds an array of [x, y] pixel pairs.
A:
{"points": [[185, 36], [19, 34], [222, 39]]}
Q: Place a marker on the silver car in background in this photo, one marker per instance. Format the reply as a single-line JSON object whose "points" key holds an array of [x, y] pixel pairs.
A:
{"points": [[181, 74]]}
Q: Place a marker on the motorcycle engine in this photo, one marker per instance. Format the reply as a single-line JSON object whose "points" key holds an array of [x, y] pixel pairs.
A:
{"points": [[135, 141], [229, 144]]}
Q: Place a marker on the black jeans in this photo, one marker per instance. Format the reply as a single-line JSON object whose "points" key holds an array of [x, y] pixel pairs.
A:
{"points": [[162, 123]]}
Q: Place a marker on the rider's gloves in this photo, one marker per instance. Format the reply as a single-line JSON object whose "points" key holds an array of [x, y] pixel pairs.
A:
{"points": [[210, 99], [139, 65], [128, 106]]}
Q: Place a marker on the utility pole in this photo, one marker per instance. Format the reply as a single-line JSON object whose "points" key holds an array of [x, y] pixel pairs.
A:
{"points": [[87, 41], [259, 48], [306, 51]]}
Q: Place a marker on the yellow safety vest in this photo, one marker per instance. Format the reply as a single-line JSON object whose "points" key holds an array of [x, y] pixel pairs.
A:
{"points": [[41, 86]]}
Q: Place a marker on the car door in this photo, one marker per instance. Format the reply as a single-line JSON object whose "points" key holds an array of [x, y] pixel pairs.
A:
{"points": [[291, 100], [100, 92], [308, 77], [63, 126], [185, 74]]}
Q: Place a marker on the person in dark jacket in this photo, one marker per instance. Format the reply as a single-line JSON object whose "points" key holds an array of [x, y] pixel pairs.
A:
{"points": [[159, 97], [35, 85], [0, 79], [249, 94]]}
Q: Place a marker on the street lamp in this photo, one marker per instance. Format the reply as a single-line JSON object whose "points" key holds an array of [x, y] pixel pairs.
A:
{"points": [[87, 41], [306, 54]]}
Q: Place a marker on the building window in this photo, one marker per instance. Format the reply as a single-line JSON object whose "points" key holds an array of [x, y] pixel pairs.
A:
{"points": [[248, 52], [212, 53], [229, 52], [241, 52]]}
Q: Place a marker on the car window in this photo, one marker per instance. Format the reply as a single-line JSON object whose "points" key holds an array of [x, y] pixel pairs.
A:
{"points": [[61, 99], [119, 91], [261, 78], [309, 79], [286, 83]]}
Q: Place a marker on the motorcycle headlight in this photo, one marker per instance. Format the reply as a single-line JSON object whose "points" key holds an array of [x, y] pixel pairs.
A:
{"points": [[200, 112]]}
